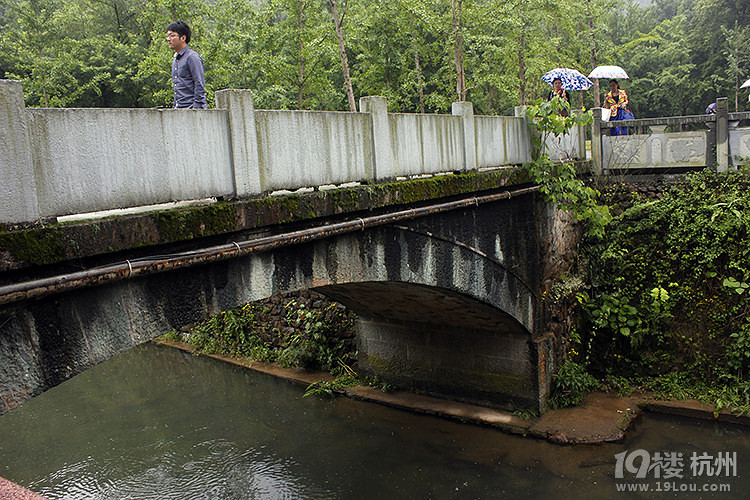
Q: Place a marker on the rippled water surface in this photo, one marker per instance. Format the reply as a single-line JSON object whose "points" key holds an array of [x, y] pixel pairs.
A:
{"points": [[158, 423]]}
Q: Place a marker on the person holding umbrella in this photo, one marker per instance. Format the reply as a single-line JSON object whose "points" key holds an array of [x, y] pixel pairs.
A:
{"points": [[562, 94], [615, 72], [616, 101], [564, 79]]}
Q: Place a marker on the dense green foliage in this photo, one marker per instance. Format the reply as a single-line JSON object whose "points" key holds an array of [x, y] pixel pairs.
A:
{"points": [[319, 338], [314, 339], [681, 54], [668, 305], [570, 384], [664, 287]]}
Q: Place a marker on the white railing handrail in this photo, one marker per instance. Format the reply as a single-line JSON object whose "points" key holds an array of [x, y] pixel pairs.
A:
{"points": [[57, 162], [719, 145]]}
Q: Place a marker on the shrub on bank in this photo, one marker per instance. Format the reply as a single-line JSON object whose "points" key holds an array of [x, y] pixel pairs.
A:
{"points": [[296, 330], [667, 302]]}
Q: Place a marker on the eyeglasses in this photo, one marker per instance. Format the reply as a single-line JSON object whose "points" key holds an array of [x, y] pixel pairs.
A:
{"points": [[171, 35]]}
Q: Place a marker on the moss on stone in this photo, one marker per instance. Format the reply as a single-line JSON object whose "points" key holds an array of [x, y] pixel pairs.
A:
{"points": [[176, 225], [346, 200], [379, 364], [38, 247], [280, 209], [35, 245]]}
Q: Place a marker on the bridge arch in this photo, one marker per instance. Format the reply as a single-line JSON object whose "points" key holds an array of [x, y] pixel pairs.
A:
{"points": [[436, 315]]}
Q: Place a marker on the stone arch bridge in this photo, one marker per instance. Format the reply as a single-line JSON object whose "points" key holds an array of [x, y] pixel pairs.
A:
{"points": [[447, 292]]}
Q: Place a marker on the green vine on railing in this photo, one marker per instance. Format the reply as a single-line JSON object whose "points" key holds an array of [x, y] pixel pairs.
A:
{"points": [[559, 182]]}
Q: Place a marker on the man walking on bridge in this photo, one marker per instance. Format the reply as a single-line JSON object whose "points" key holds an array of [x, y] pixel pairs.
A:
{"points": [[188, 79]]}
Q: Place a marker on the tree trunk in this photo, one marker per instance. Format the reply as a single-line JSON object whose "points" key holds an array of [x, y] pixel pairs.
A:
{"points": [[342, 53], [45, 98], [458, 49], [592, 45], [736, 93], [420, 78], [522, 65], [301, 75]]}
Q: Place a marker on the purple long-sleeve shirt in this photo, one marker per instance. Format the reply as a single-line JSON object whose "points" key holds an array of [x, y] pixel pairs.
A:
{"points": [[188, 80]]}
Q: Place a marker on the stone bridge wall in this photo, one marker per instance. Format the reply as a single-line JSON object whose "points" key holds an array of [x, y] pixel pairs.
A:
{"points": [[715, 141], [56, 162]]}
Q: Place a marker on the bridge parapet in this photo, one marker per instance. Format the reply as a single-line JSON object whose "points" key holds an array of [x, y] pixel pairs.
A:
{"points": [[57, 162], [721, 144]]}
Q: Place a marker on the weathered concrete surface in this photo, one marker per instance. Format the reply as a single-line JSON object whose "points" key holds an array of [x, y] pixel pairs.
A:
{"points": [[18, 195], [494, 368], [492, 152], [442, 132], [693, 409], [30, 247], [487, 253], [739, 144], [678, 149], [601, 417], [156, 156], [297, 148]]}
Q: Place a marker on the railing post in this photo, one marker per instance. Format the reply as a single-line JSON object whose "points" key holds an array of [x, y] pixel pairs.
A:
{"points": [[722, 134], [377, 107], [466, 111], [19, 201], [581, 131], [596, 142], [243, 140], [520, 112]]}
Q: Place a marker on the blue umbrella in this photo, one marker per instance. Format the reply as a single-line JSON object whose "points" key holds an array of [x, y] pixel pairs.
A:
{"points": [[571, 79]]}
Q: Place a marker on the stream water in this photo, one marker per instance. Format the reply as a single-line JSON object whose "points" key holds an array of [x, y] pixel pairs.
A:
{"points": [[155, 422]]}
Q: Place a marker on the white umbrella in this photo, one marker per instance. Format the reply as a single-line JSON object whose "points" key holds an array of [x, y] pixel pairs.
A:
{"points": [[608, 72], [745, 85]]}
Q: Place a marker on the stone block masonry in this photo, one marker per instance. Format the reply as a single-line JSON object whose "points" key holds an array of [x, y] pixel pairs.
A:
{"points": [[494, 369]]}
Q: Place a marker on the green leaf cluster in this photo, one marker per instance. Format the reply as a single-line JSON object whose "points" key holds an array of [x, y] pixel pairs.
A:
{"points": [[559, 182], [309, 338], [570, 384], [668, 284], [312, 345]]}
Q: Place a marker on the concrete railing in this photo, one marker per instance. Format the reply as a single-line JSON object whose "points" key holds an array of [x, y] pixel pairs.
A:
{"points": [[720, 145], [563, 147], [56, 162]]}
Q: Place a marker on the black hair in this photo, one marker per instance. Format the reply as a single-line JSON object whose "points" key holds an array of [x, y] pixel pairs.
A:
{"points": [[556, 78], [615, 82], [181, 28]]}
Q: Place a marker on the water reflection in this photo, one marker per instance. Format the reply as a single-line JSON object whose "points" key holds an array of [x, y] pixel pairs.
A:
{"points": [[155, 422]]}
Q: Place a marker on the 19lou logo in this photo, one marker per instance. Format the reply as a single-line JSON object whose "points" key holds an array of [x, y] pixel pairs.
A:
{"points": [[672, 464]]}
